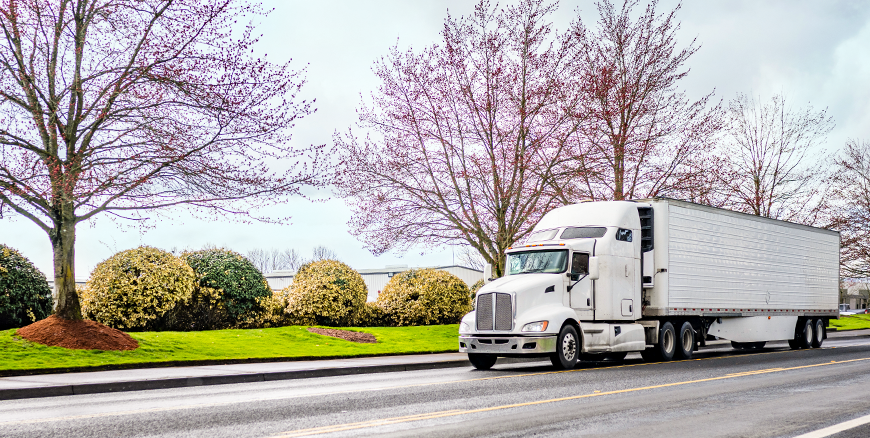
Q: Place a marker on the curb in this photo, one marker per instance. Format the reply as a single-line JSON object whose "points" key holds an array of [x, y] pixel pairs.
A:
{"points": [[184, 382]]}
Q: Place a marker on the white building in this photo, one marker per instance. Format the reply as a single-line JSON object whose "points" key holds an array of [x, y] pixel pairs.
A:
{"points": [[376, 279]]}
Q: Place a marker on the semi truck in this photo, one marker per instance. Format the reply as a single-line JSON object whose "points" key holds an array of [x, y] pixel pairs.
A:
{"points": [[598, 280]]}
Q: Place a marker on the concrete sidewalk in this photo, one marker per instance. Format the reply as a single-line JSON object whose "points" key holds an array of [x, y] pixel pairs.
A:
{"points": [[48, 385]]}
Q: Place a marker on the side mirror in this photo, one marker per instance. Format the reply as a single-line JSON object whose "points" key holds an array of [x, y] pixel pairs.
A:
{"points": [[593, 268], [487, 273]]}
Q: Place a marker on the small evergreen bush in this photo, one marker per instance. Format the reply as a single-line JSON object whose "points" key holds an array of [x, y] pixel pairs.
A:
{"points": [[135, 289], [24, 293], [424, 297], [326, 292], [230, 292]]}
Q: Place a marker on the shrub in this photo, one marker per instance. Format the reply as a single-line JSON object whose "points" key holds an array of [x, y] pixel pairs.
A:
{"points": [[24, 293], [326, 292], [135, 289], [271, 313], [474, 288], [229, 290], [423, 297]]}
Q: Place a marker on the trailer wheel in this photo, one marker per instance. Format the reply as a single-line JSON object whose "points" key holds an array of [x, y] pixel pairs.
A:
{"points": [[805, 334], [818, 333], [482, 362], [685, 342], [567, 349]]}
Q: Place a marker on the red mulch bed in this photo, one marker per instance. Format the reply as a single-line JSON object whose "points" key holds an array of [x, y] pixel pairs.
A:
{"points": [[82, 335], [347, 335]]}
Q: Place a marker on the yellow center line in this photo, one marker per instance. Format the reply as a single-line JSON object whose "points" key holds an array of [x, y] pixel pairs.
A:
{"points": [[452, 413], [354, 391]]}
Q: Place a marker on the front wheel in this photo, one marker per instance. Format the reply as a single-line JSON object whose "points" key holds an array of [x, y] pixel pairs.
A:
{"points": [[567, 349], [482, 362]]}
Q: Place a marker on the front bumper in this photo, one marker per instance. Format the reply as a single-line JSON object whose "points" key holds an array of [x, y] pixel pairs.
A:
{"points": [[508, 345]]}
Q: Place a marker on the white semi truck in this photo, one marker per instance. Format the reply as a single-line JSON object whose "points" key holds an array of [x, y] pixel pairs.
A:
{"points": [[597, 280]]}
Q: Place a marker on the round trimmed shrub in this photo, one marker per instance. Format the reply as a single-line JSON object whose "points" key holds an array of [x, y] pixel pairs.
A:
{"points": [[135, 289], [229, 290], [326, 292], [24, 293], [424, 297]]}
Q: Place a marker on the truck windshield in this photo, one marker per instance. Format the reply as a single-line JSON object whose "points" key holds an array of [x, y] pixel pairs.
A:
{"points": [[555, 261]]}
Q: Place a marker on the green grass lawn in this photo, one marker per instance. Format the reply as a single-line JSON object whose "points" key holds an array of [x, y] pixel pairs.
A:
{"points": [[283, 342], [853, 322]]}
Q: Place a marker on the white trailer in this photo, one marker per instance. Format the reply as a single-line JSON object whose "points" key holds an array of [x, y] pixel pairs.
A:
{"points": [[597, 280]]}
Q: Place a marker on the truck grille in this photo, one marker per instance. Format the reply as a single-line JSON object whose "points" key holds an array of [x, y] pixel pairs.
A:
{"points": [[494, 308]]}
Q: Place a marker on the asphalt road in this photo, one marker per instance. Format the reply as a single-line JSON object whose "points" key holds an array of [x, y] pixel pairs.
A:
{"points": [[775, 392]]}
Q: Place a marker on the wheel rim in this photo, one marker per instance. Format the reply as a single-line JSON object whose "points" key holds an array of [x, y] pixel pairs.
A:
{"points": [[569, 347], [687, 341], [668, 341], [808, 330], [820, 332]]}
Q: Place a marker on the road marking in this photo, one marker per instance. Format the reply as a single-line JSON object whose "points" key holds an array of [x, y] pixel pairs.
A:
{"points": [[837, 428], [452, 413], [416, 385]]}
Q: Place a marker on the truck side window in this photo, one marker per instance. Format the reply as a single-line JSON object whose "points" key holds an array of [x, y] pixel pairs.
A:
{"points": [[580, 263], [623, 235]]}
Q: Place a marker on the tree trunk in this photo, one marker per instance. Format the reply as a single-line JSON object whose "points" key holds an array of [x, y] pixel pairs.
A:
{"points": [[63, 238]]}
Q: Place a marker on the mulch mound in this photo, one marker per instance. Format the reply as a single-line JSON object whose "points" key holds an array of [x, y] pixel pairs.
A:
{"points": [[83, 335], [347, 335]]}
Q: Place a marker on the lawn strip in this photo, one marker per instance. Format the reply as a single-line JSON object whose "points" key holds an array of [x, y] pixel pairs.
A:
{"points": [[225, 346], [851, 322]]}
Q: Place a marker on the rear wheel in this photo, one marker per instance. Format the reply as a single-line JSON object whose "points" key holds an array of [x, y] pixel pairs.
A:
{"points": [[818, 333], [667, 344], [482, 361], [685, 341], [804, 338], [567, 349]]}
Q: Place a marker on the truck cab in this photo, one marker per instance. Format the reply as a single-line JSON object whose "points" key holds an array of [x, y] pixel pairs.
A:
{"points": [[580, 268]]}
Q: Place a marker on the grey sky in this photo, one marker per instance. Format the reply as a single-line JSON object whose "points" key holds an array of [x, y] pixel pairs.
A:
{"points": [[816, 52]]}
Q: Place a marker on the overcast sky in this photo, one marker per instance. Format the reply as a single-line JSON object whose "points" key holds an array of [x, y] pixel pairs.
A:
{"points": [[816, 52]]}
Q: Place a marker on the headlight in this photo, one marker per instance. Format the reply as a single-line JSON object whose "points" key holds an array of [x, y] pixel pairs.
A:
{"points": [[464, 327], [535, 326]]}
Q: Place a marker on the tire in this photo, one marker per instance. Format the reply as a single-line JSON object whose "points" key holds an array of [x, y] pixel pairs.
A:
{"points": [[794, 344], [804, 336], [667, 345], [482, 362], [567, 349], [818, 333], [685, 342]]}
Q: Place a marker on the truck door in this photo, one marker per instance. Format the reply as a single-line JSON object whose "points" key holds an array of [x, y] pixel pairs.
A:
{"points": [[579, 283]]}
